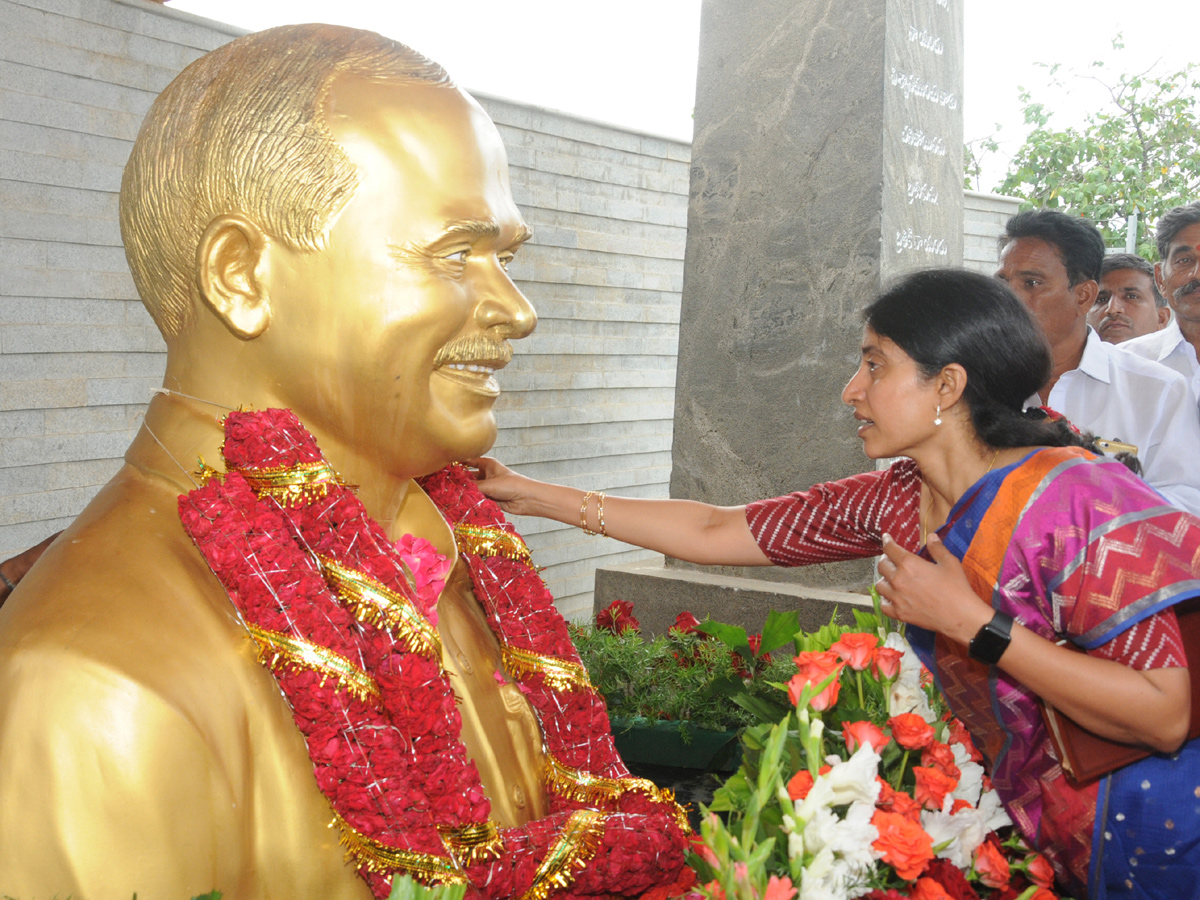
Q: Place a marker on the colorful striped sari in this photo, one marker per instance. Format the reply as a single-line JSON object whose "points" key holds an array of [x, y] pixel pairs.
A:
{"points": [[1074, 546]]}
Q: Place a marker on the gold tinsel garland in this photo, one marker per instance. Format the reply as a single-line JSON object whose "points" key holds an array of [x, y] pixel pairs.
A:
{"points": [[576, 845], [292, 486], [491, 541], [384, 860], [560, 674], [374, 604], [275, 648]]}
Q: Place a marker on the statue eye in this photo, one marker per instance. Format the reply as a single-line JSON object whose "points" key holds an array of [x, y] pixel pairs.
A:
{"points": [[458, 256]]}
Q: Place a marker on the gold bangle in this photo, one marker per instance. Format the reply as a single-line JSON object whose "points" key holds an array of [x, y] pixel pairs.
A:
{"points": [[600, 513], [583, 513]]}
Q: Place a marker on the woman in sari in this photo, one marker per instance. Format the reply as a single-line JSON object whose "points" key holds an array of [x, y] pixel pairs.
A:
{"points": [[1032, 539]]}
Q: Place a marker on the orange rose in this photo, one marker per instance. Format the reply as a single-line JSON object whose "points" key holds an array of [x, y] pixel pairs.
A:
{"points": [[813, 669], [899, 802], [928, 889], [911, 731], [1039, 870], [886, 662], [932, 787], [802, 782], [960, 735], [858, 733], [856, 649], [903, 844], [939, 756], [990, 864], [779, 889], [800, 785]]}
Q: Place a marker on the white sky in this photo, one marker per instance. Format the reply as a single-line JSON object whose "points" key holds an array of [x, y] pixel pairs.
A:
{"points": [[633, 62]]}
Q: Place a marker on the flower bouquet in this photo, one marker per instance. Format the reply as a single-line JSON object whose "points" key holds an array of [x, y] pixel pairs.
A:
{"points": [[864, 787]]}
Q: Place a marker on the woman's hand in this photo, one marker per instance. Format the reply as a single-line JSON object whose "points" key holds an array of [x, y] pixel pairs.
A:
{"points": [[932, 595], [500, 483]]}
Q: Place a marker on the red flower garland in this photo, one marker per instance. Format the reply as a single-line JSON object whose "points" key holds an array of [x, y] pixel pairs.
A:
{"points": [[351, 641]]}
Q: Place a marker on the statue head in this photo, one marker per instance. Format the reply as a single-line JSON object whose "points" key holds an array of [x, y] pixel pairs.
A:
{"points": [[322, 212]]}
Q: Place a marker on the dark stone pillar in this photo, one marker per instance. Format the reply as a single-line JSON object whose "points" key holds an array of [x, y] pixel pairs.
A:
{"points": [[827, 159]]}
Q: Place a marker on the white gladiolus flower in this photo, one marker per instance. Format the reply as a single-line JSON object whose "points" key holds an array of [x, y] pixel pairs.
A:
{"points": [[990, 805], [821, 878], [906, 694], [970, 780], [854, 779], [854, 839], [965, 831]]}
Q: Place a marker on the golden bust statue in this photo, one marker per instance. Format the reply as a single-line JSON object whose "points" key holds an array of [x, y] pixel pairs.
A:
{"points": [[317, 219]]}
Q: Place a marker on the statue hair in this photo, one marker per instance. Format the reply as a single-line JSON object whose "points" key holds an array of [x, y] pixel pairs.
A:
{"points": [[241, 130], [944, 316]]}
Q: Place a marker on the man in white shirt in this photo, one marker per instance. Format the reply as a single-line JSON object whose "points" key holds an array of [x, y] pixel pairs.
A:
{"points": [[1178, 278], [1129, 304], [1052, 262]]}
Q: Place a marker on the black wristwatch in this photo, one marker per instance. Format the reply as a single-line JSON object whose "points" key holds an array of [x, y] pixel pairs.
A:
{"points": [[992, 639]]}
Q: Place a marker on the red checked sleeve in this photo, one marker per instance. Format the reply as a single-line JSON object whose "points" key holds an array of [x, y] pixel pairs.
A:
{"points": [[842, 519]]}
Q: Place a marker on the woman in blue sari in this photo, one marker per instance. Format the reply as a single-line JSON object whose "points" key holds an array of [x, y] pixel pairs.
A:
{"points": [[1032, 539]]}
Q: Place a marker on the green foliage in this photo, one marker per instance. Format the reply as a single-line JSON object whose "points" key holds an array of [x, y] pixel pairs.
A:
{"points": [[686, 677], [404, 888], [1140, 152]]}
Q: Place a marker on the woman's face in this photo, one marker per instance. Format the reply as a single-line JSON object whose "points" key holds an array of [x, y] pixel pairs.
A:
{"points": [[894, 402]]}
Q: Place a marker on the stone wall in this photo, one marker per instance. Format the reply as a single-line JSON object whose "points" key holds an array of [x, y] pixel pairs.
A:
{"points": [[984, 216], [588, 397]]}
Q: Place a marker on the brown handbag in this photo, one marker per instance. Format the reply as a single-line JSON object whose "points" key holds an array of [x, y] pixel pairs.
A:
{"points": [[1086, 756]]}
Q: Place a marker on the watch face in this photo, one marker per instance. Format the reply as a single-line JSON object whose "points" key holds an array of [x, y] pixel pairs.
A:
{"points": [[992, 640]]}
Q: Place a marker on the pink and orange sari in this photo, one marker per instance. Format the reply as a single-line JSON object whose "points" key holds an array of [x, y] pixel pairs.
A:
{"points": [[1075, 547]]}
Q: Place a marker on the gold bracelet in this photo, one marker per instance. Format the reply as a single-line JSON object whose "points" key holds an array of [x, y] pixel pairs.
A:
{"points": [[600, 513], [583, 513]]}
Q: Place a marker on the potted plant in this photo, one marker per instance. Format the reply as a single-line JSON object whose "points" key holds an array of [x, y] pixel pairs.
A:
{"points": [[681, 699]]}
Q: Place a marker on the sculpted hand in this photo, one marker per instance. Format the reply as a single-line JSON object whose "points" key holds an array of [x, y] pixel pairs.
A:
{"points": [[502, 484], [933, 595]]}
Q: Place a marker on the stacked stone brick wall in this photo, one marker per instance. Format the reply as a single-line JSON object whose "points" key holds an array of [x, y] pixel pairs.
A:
{"points": [[984, 216]]}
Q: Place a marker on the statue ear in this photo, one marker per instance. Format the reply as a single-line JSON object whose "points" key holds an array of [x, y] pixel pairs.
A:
{"points": [[228, 269]]}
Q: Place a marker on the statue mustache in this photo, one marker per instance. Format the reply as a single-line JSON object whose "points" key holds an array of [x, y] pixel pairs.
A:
{"points": [[475, 348]]}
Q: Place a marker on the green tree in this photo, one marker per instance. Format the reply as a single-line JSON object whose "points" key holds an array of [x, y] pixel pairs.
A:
{"points": [[1141, 152]]}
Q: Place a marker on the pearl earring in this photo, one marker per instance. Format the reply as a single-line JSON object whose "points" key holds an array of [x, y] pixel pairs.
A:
{"points": [[937, 418]]}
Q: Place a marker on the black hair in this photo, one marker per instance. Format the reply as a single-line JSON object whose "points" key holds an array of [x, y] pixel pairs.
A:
{"points": [[1172, 222], [1115, 262], [944, 316], [1079, 243]]}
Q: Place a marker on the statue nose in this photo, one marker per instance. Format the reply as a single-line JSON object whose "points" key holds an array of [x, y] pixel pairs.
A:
{"points": [[507, 311]]}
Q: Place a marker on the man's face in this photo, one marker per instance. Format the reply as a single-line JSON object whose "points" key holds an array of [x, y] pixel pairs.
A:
{"points": [[1125, 306], [387, 340], [1179, 275], [1034, 270]]}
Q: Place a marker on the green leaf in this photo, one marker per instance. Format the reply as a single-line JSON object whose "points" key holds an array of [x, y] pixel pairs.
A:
{"points": [[780, 629]]}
